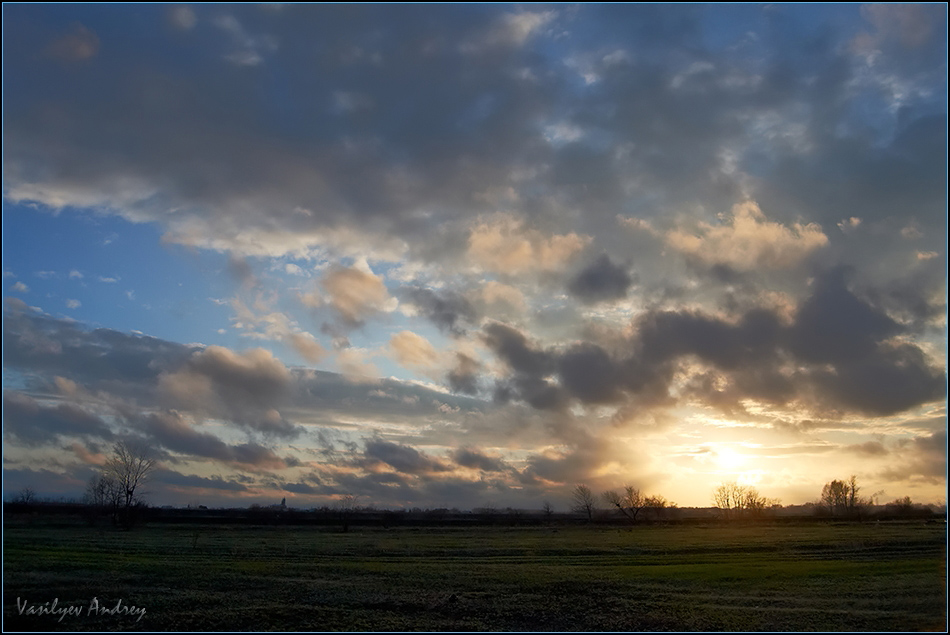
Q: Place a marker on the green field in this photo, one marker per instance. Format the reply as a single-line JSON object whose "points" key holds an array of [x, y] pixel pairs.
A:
{"points": [[768, 577]]}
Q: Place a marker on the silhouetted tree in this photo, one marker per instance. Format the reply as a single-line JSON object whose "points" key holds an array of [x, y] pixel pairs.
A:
{"points": [[583, 502], [630, 503], [118, 487], [346, 505], [840, 498], [25, 496], [657, 506], [901, 506], [102, 496], [734, 500]]}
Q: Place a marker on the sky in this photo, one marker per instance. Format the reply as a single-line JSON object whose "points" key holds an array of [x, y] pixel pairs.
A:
{"points": [[474, 255]]}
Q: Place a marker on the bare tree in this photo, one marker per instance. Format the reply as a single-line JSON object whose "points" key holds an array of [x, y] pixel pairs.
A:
{"points": [[103, 492], [630, 503], [583, 501], [735, 500], [25, 496], [103, 496], [841, 498], [547, 510], [346, 505], [657, 506], [118, 486], [130, 467]]}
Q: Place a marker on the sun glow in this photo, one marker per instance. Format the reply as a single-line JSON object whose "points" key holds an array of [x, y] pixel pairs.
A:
{"points": [[729, 460]]}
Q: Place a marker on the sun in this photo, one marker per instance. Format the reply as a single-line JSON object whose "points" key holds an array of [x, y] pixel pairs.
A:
{"points": [[728, 459]]}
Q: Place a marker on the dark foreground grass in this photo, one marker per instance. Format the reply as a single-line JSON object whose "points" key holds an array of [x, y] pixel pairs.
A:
{"points": [[809, 577]]}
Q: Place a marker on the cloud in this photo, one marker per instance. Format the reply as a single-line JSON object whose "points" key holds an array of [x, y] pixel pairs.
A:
{"points": [[501, 297], [353, 363], [909, 24], [475, 459], [34, 423], [247, 50], [601, 281], [834, 325], [749, 241], [841, 343], [868, 448], [924, 458], [177, 480], [98, 359], [413, 351], [464, 377], [355, 293], [260, 321], [511, 29], [402, 458], [308, 347], [448, 310], [513, 348], [174, 433], [73, 304], [246, 388], [502, 243], [849, 224], [19, 287], [182, 17], [78, 45]]}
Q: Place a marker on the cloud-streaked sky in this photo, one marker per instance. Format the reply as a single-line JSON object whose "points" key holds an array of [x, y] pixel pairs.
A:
{"points": [[461, 255]]}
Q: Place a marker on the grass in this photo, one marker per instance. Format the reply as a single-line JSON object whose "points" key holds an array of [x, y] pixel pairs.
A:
{"points": [[769, 577]]}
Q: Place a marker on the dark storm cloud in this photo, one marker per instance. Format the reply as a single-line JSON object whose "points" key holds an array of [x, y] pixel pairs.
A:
{"points": [[403, 458], [34, 423], [887, 381], [172, 432], [835, 326], [464, 377], [448, 310], [512, 347], [589, 373], [171, 478], [601, 281], [371, 153], [101, 358], [924, 458], [475, 459], [872, 182], [245, 387], [244, 390], [665, 335], [868, 374]]}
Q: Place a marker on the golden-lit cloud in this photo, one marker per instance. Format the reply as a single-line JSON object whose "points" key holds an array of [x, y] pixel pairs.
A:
{"points": [[747, 240], [413, 351], [355, 293], [502, 243], [496, 293]]}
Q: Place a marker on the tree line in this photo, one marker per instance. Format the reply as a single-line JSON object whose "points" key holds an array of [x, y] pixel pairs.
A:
{"points": [[839, 499]]}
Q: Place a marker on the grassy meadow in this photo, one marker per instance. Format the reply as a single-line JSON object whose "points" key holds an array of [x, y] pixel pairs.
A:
{"points": [[757, 577]]}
